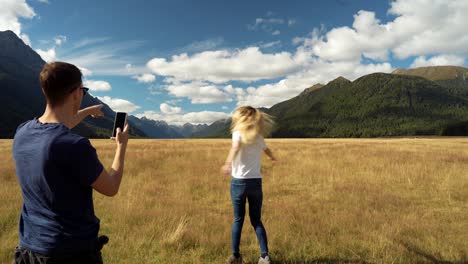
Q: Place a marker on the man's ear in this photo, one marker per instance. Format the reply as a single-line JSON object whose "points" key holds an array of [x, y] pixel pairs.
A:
{"points": [[76, 94]]}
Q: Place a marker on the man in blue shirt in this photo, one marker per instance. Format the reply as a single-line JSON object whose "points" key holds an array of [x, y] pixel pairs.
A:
{"points": [[57, 171]]}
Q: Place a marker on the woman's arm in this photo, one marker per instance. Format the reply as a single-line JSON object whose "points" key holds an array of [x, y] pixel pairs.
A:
{"points": [[270, 154], [226, 168]]}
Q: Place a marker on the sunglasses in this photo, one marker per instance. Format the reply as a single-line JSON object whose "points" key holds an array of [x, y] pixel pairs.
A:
{"points": [[85, 90]]}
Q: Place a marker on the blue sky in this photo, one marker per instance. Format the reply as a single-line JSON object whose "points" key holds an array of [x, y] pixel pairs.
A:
{"points": [[195, 61]]}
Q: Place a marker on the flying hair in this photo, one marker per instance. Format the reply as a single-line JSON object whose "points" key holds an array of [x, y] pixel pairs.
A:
{"points": [[251, 122]]}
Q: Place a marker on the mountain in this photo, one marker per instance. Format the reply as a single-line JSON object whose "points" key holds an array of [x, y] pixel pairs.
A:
{"points": [[436, 73], [312, 88], [220, 128], [22, 97], [187, 130], [404, 103], [454, 78], [155, 129], [374, 105]]}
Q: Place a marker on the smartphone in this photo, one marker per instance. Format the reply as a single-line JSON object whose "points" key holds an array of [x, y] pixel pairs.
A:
{"points": [[120, 120]]}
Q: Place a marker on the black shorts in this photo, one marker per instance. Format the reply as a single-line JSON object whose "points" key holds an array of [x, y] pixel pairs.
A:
{"points": [[26, 256]]}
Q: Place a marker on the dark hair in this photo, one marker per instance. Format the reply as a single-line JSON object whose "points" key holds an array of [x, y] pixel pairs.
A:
{"points": [[58, 79]]}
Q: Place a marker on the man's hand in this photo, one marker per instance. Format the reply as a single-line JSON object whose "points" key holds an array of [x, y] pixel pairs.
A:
{"points": [[95, 110], [121, 137]]}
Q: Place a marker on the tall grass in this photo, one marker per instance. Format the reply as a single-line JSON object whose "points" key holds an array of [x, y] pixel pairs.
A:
{"points": [[327, 201]]}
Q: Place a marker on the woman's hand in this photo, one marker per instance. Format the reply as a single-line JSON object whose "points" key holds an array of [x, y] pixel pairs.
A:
{"points": [[226, 169]]}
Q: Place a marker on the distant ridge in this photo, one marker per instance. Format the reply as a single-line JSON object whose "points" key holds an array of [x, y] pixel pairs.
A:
{"points": [[436, 73]]}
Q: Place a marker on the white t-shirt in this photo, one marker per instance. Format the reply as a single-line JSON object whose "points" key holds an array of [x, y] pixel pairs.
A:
{"points": [[246, 164]]}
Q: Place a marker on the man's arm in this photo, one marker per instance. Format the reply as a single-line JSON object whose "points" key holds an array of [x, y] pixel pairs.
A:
{"points": [[108, 183], [94, 111]]}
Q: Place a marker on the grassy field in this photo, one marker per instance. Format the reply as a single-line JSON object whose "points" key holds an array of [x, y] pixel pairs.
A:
{"points": [[326, 201]]}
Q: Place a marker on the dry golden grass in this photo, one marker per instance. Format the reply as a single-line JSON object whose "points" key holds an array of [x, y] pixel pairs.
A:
{"points": [[327, 201]]}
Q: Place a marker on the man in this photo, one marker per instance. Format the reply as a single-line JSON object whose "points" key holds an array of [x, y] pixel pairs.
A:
{"points": [[57, 170]]}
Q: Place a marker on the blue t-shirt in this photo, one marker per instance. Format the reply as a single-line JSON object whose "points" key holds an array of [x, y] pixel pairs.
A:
{"points": [[55, 169]]}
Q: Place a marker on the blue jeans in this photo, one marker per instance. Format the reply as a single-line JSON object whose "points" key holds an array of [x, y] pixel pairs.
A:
{"points": [[250, 190]]}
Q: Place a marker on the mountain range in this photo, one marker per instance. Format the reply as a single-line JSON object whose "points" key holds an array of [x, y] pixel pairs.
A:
{"points": [[22, 98], [406, 102], [422, 101]]}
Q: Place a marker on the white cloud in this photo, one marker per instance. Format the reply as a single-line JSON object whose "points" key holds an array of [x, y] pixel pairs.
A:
{"points": [[265, 23], [199, 46], [105, 59], [59, 40], [270, 44], [421, 61], [44, 1], [169, 110], [291, 22], [269, 23], [145, 78], [421, 27], [198, 92], [10, 13], [47, 55], [51, 54], [97, 86], [204, 117], [119, 105], [249, 64], [26, 39], [85, 72]]}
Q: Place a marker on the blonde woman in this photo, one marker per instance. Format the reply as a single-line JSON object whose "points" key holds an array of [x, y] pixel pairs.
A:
{"points": [[249, 126]]}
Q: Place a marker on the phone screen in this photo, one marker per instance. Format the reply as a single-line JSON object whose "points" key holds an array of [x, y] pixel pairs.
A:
{"points": [[120, 119]]}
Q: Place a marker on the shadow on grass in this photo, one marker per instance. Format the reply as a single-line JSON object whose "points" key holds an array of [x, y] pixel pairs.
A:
{"points": [[321, 261], [281, 260], [428, 256]]}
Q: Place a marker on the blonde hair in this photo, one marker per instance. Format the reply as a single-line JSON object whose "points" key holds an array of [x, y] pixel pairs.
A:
{"points": [[251, 122]]}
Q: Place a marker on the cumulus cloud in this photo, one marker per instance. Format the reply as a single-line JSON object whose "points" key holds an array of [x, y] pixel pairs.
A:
{"points": [[169, 110], [220, 66], [47, 55], [97, 86], [145, 78], [421, 27], [422, 61], [119, 105], [26, 39], [85, 72], [198, 92], [204, 117], [10, 13]]}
